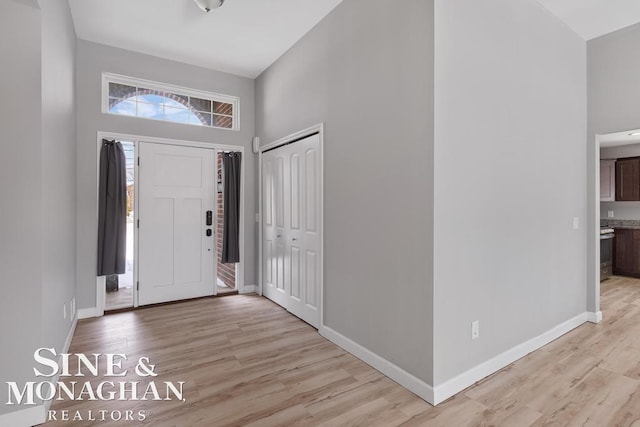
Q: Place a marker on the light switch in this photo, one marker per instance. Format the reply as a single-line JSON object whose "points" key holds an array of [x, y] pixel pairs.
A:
{"points": [[609, 214], [576, 223]]}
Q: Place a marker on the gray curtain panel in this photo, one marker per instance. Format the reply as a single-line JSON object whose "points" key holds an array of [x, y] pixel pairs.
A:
{"points": [[231, 228], [112, 214]]}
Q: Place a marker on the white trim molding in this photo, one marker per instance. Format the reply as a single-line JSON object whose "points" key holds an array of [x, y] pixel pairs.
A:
{"points": [[65, 349], [170, 89], [87, 313], [248, 289], [181, 142], [438, 394], [593, 283], [319, 128], [26, 417], [594, 317], [72, 330], [475, 374], [399, 375]]}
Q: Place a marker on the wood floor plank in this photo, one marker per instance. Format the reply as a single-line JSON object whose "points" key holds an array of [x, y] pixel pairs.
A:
{"points": [[594, 400], [246, 361]]}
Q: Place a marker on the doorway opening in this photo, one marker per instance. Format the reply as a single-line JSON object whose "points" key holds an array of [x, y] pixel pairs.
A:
{"points": [[617, 211], [165, 158], [226, 272], [119, 287]]}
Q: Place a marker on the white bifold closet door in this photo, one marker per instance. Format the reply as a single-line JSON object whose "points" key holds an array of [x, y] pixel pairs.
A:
{"points": [[291, 228], [176, 257]]}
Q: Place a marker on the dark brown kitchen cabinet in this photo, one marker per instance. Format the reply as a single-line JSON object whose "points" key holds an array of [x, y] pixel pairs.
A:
{"points": [[628, 179], [626, 252]]}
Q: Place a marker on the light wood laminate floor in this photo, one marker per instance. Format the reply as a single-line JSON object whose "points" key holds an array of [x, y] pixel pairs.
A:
{"points": [[246, 361]]}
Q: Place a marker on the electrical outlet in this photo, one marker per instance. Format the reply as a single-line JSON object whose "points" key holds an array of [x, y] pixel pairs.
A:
{"points": [[609, 214], [64, 310], [475, 329]]}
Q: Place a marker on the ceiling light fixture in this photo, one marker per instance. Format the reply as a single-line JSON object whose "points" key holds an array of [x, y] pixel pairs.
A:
{"points": [[209, 5], [634, 134]]}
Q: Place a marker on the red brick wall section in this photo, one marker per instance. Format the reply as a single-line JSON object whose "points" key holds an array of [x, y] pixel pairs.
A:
{"points": [[226, 272]]}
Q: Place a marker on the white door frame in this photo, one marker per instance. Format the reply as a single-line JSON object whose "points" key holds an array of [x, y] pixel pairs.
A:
{"points": [[136, 139], [594, 287], [316, 129]]}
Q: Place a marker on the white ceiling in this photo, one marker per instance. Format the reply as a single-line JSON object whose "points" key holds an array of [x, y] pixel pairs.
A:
{"points": [[594, 18], [243, 37], [620, 138]]}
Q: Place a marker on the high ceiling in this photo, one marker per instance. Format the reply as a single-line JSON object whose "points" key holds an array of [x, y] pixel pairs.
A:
{"points": [[242, 37], [594, 18]]}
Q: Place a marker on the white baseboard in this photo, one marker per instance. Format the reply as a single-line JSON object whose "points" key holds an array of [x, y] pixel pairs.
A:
{"points": [[436, 395], [26, 417], [37, 414], [594, 317], [399, 375], [248, 289], [65, 349], [86, 313], [72, 330], [475, 374]]}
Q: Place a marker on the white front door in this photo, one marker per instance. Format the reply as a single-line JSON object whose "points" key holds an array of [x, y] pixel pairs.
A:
{"points": [[176, 190], [291, 227]]}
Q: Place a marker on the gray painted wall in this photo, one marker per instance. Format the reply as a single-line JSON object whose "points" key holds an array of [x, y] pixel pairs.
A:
{"points": [[510, 121], [93, 59], [620, 151], [21, 190], [614, 105], [366, 71], [621, 210], [58, 171], [37, 182], [614, 101]]}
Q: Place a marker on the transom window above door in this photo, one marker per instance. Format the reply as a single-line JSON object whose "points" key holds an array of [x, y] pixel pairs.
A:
{"points": [[128, 96]]}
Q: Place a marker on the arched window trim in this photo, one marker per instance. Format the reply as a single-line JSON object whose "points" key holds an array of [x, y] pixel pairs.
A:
{"points": [[175, 93]]}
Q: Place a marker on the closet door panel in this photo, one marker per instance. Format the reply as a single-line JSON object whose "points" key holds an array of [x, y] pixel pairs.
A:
{"points": [[291, 231]]}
